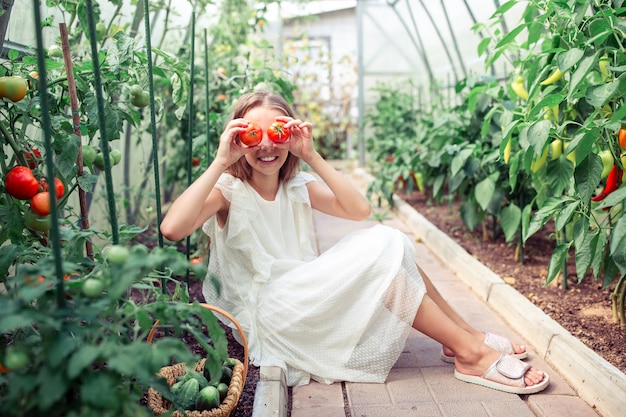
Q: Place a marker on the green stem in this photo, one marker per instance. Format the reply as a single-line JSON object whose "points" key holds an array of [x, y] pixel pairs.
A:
{"points": [[102, 121], [47, 129], [192, 73]]}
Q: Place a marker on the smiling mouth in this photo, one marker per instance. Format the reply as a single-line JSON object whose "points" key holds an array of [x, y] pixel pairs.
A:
{"points": [[268, 158]]}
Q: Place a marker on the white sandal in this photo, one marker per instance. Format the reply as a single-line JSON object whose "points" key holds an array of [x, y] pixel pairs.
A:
{"points": [[496, 342], [506, 374]]}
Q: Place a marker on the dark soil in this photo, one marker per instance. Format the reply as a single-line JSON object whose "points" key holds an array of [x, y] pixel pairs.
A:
{"points": [[584, 309]]}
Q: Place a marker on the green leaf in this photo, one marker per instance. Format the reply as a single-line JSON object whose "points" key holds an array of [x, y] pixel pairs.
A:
{"points": [[485, 190], [618, 239], [616, 197], [584, 255], [483, 45], [549, 101], [510, 37], [565, 214], [538, 134], [549, 209], [503, 8], [81, 359], [510, 220], [459, 160], [556, 262], [569, 58], [579, 75], [587, 176], [560, 174], [100, 390], [598, 95], [470, 214]]}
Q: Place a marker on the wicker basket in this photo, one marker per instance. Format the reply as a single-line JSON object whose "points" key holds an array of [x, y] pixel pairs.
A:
{"points": [[160, 405]]}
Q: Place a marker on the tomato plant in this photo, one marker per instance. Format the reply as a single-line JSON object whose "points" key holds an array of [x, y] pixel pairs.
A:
{"points": [[21, 183], [252, 135], [278, 133]]}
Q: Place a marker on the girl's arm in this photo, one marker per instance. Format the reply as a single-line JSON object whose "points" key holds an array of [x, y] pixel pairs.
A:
{"points": [[201, 200], [339, 198]]}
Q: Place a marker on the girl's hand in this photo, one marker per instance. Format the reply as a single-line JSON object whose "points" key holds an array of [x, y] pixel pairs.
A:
{"points": [[230, 149], [300, 141]]}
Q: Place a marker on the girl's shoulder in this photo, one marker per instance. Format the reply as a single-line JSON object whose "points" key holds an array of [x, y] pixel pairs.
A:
{"points": [[227, 183], [297, 187]]}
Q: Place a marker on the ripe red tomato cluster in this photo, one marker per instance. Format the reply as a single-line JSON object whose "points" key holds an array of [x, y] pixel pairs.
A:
{"points": [[20, 183]]}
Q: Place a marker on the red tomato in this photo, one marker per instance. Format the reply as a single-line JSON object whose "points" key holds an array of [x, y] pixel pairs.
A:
{"points": [[59, 187], [195, 161], [278, 133], [252, 136], [40, 203], [33, 157], [21, 183]]}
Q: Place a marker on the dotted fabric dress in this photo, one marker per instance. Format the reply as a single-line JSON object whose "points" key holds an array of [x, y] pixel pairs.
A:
{"points": [[341, 316]]}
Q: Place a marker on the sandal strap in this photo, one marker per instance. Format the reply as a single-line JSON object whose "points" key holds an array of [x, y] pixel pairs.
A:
{"points": [[499, 343]]}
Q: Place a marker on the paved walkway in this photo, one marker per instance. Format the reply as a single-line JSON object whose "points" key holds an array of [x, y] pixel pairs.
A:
{"points": [[420, 384]]}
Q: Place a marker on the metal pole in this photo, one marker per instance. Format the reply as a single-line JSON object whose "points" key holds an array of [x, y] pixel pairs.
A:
{"points": [[360, 12]]}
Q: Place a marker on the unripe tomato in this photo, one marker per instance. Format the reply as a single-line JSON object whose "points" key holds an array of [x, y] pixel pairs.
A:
{"points": [[21, 183], [13, 87], [55, 51], [139, 97], [116, 156], [117, 254], [40, 203], [37, 223], [59, 187], [93, 287], [15, 358], [89, 154]]}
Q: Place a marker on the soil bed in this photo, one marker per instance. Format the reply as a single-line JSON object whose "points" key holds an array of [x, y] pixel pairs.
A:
{"points": [[584, 309]]}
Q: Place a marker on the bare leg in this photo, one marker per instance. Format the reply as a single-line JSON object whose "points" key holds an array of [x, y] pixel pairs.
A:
{"points": [[434, 294], [472, 357]]}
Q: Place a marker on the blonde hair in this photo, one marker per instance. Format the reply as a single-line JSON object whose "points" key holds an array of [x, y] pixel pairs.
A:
{"points": [[241, 169]]}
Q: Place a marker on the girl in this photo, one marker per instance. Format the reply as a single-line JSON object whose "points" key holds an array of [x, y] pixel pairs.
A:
{"points": [[343, 315]]}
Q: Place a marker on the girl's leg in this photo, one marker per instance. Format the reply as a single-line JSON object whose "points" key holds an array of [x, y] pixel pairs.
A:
{"points": [[472, 356], [435, 296]]}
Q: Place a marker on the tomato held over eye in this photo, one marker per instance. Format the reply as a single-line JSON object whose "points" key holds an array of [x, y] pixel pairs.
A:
{"points": [[252, 135], [278, 133], [21, 183]]}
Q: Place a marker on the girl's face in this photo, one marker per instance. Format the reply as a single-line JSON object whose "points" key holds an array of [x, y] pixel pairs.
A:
{"points": [[266, 159]]}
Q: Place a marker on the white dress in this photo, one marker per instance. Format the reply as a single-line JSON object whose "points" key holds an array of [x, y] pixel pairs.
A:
{"points": [[341, 316]]}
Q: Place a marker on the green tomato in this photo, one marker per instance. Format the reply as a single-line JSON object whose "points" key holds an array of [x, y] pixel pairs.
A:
{"points": [[37, 223], [139, 97], [93, 287], [117, 254], [116, 156], [101, 31], [55, 51], [15, 358], [99, 161], [89, 154]]}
